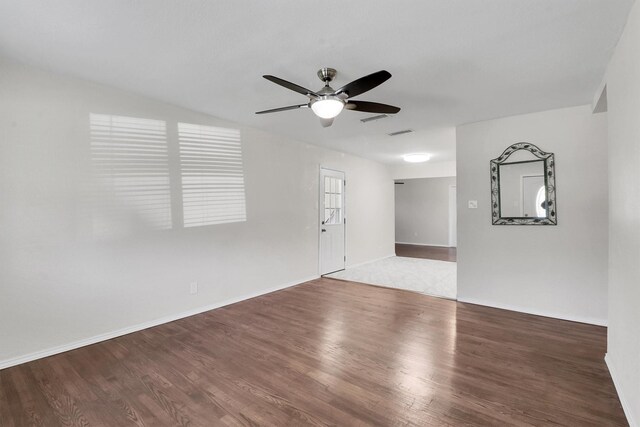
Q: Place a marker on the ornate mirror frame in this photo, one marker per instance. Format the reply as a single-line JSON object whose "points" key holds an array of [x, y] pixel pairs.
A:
{"points": [[549, 180]]}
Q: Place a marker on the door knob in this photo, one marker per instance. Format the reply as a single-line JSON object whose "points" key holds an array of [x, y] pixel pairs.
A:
{"points": [[324, 230]]}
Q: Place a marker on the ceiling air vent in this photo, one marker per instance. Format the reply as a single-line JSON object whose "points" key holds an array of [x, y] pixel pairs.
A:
{"points": [[400, 132], [372, 118]]}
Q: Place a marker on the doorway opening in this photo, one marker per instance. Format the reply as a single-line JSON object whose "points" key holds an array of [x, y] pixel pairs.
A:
{"points": [[426, 239], [426, 222]]}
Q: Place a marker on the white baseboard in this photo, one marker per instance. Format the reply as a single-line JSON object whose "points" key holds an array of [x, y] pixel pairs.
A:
{"points": [[370, 261], [140, 326], [616, 382], [580, 319], [424, 244]]}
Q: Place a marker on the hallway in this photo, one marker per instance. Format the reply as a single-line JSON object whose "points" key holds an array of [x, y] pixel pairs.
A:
{"points": [[426, 252]]}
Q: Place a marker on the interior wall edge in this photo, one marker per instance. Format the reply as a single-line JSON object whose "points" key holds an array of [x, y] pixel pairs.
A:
{"points": [[7, 363], [526, 310], [626, 407]]}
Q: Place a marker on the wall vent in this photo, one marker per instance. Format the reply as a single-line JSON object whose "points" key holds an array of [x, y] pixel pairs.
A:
{"points": [[372, 118], [400, 132]]}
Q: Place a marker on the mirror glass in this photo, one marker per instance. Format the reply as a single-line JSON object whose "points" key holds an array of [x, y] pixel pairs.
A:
{"points": [[523, 192], [523, 187]]}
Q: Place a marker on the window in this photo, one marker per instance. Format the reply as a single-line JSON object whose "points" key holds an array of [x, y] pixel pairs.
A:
{"points": [[212, 175], [332, 200], [131, 164]]}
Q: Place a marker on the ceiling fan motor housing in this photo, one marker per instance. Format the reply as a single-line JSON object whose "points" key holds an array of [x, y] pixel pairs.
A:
{"points": [[327, 74]]}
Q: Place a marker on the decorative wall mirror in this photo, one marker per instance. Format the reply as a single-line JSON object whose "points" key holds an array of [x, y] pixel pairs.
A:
{"points": [[523, 187]]}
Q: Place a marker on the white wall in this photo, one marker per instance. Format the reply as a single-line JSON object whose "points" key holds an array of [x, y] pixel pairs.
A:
{"points": [[623, 99], [60, 286], [558, 271], [422, 211]]}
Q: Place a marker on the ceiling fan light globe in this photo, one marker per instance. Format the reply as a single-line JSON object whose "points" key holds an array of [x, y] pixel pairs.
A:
{"points": [[327, 108]]}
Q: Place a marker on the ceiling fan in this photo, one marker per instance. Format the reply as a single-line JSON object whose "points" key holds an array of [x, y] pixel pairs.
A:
{"points": [[327, 103]]}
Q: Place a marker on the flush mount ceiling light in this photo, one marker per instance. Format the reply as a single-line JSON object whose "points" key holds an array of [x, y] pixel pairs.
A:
{"points": [[327, 103], [416, 157]]}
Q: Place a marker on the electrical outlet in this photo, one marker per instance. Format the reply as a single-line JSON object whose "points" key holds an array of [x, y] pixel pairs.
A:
{"points": [[193, 288], [473, 204]]}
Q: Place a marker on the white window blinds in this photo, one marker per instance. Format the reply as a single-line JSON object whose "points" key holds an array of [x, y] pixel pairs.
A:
{"points": [[212, 175], [131, 164]]}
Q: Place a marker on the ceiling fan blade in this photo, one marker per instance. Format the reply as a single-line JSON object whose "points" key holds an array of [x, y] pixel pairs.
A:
{"points": [[365, 83], [292, 86], [371, 107], [326, 122], [275, 110]]}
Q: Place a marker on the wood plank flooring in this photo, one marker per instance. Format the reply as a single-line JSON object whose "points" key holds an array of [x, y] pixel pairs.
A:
{"points": [[327, 352], [428, 252]]}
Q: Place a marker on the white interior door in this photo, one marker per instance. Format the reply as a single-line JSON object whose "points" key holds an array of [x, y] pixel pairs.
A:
{"points": [[532, 186], [332, 221]]}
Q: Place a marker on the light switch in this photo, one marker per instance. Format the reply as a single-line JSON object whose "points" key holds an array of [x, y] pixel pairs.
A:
{"points": [[473, 204]]}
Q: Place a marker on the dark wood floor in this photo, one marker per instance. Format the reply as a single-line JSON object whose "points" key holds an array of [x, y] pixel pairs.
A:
{"points": [[427, 252], [327, 353]]}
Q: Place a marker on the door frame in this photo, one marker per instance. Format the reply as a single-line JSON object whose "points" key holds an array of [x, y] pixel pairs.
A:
{"points": [[321, 212], [453, 203]]}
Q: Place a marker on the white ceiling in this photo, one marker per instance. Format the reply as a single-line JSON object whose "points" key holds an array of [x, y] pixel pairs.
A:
{"points": [[453, 61]]}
